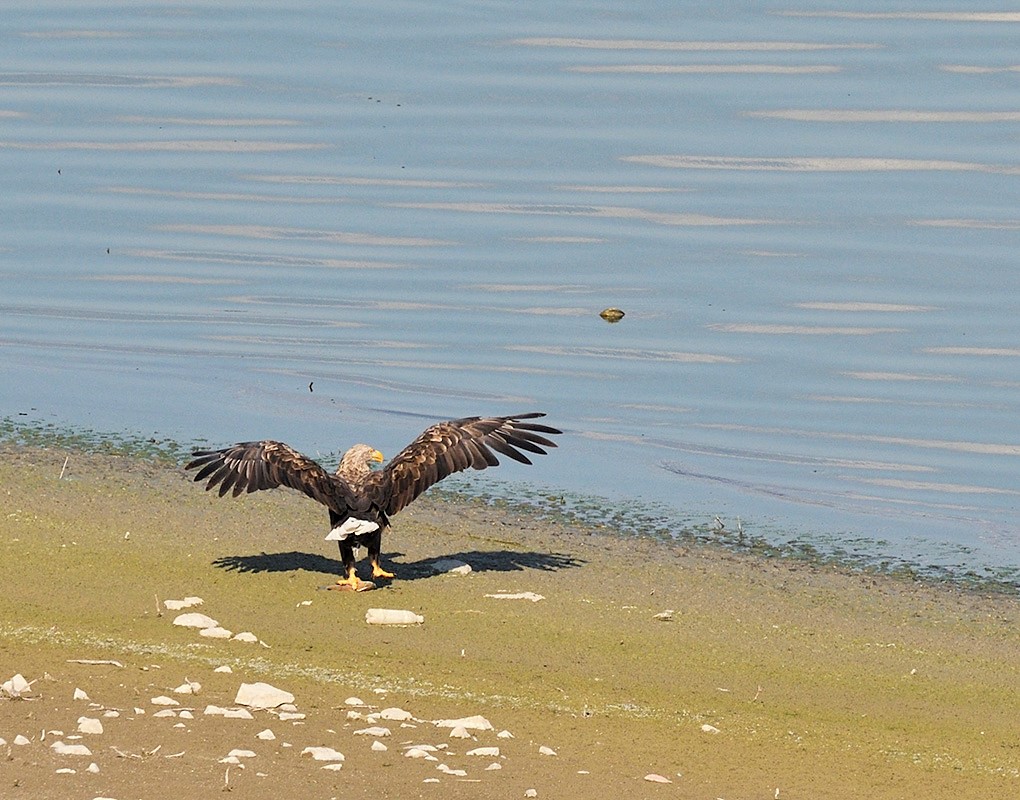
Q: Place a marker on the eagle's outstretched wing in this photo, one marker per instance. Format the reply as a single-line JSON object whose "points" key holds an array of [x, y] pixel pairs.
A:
{"points": [[449, 447], [251, 466]]}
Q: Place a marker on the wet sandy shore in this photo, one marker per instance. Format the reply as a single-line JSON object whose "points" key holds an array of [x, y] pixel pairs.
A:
{"points": [[767, 678]]}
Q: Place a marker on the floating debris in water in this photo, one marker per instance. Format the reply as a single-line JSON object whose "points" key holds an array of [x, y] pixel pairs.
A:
{"points": [[611, 314]]}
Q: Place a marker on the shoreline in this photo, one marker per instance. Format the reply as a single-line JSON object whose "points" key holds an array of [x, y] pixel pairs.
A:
{"points": [[820, 682]]}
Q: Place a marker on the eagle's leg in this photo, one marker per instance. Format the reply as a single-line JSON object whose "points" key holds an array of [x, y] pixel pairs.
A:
{"points": [[347, 558], [374, 545]]}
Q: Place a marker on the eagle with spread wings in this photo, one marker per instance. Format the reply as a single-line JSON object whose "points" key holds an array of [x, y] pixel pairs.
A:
{"points": [[360, 499]]}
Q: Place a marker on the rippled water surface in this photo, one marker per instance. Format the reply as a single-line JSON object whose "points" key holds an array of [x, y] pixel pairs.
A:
{"points": [[329, 222]]}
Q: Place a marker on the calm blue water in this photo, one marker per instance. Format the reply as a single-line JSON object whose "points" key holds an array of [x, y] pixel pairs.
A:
{"points": [[810, 217]]}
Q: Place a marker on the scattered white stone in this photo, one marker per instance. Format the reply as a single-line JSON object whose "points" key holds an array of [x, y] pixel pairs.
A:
{"points": [[534, 598], [354, 701], [304, 603], [93, 768], [180, 725], [392, 616], [653, 778], [67, 771], [163, 700], [323, 754], [19, 739], [395, 714], [188, 687], [215, 632], [494, 765], [194, 620], [185, 714], [355, 715], [546, 751], [379, 747], [139, 711], [291, 716], [709, 728], [229, 713], [459, 773], [79, 695], [61, 749], [166, 712], [224, 668], [236, 753], [262, 695], [475, 723], [3, 742], [16, 686], [664, 616], [491, 752], [266, 735], [504, 735], [245, 636], [375, 731], [89, 725], [531, 793], [420, 752], [187, 602], [460, 732], [451, 566], [334, 767], [111, 713]]}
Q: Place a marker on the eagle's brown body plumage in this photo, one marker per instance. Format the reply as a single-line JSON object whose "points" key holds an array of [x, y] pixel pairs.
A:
{"points": [[357, 494]]}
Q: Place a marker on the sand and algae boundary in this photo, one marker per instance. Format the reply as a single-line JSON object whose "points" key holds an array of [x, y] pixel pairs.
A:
{"points": [[820, 683]]}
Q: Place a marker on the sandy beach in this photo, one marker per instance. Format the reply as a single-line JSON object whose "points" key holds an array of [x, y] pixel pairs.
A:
{"points": [[727, 675]]}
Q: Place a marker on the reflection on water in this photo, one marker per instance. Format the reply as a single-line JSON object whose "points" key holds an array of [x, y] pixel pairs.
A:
{"points": [[813, 237]]}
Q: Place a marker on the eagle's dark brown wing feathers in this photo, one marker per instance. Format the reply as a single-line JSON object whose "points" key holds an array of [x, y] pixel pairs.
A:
{"points": [[251, 466], [449, 447]]}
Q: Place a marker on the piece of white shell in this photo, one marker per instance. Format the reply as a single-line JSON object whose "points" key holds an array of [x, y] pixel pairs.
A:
{"points": [[229, 713], [475, 723], [262, 695], [89, 725], [374, 731], [653, 778], [61, 749], [419, 752], [19, 739], [665, 616], [504, 735], [531, 793], [93, 768], [185, 714], [166, 712], [323, 754], [66, 771], [215, 632], [266, 735], [546, 751], [79, 695], [459, 773], [494, 765], [194, 620], [288, 716], [334, 767], [379, 746], [392, 616]]}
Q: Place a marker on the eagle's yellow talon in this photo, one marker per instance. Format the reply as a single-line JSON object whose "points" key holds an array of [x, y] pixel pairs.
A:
{"points": [[379, 572]]}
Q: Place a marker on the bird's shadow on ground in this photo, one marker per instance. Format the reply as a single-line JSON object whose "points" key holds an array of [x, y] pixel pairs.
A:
{"points": [[479, 560]]}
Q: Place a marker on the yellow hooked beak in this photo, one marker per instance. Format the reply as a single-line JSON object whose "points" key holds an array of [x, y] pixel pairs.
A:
{"points": [[377, 456]]}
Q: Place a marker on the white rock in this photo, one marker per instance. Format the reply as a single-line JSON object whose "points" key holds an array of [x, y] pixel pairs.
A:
{"points": [[287, 707], [3, 742], [93, 768], [194, 620], [19, 739], [334, 767], [375, 731], [653, 778], [61, 749], [215, 632], [355, 715], [392, 616], [534, 598], [491, 752], [665, 616], [460, 732], [459, 773], [79, 695], [166, 712], [451, 566], [494, 765], [531, 793], [111, 713], [504, 735], [354, 701], [475, 723], [89, 725], [323, 754], [163, 700], [67, 771], [709, 729], [304, 603], [236, 753], [431, 780], [379, 747], [188, 687], [187, 602], [139, 711], [290, 716], [180, 725], [266, 735], [262, 695], [229, 713], [546, 751], [245, 636], [395, 714], [419, 752], [16, 686], [224, 668], [185, 714]]}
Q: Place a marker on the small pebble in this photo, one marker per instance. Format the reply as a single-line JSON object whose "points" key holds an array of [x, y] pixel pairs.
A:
{"points": [[494, 765], [163, 700], [93, 768], [653, 778], [334, 767], [242, 753], [460, 732], [262, 695], [531, 793], [546, 751], [323, 754], [19, 739], [379, 747], [266, 735], [215, 632], [375, 731], [194, 620], [245, 636], [395, 714], [709, 729], [224, 668], [89, 725], [354, 701], [80, 695], [492, 752]]}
